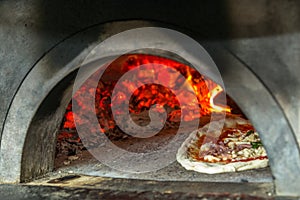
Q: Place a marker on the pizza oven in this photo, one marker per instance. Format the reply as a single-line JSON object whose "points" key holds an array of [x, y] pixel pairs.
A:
{"points": [[253, 45]]}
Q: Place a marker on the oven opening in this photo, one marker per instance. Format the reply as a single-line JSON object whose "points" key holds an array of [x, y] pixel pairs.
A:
{"points": [[73, 156]]}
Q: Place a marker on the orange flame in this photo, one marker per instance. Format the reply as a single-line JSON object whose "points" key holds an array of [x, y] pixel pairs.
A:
{"points": [[217, 108]]}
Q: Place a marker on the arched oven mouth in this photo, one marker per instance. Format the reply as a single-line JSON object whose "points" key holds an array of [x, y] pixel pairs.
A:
{"points": [[52, 153], [74, 166], [73, 156]]}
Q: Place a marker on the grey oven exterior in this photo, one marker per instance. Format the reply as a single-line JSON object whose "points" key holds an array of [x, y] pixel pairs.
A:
{"points": [[256, 46]]}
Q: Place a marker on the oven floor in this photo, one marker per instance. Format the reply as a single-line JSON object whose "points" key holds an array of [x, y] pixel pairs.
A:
{"points": [[173, 172], [172, 182], [86, 164], [86, 177]]}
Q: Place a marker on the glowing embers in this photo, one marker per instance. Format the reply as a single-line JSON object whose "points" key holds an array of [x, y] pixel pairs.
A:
{"points": [[142, 98]]}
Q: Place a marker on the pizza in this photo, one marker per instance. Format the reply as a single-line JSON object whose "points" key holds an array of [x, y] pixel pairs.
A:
{"points": [[227, 145]]}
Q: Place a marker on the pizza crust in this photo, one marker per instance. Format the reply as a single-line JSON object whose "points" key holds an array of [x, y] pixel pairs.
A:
{"points": [[214, 168]]}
